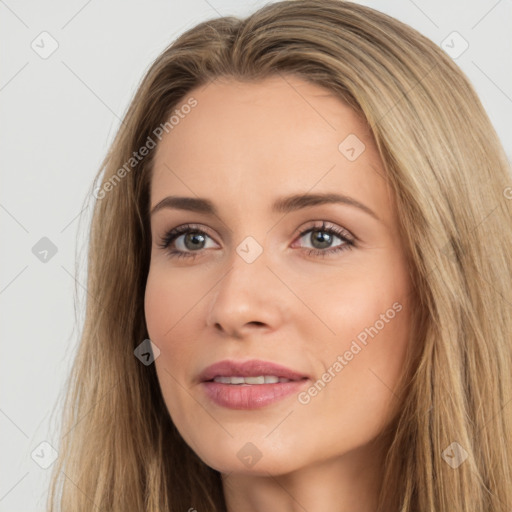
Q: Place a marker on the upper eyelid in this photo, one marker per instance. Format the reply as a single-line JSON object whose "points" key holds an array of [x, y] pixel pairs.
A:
{"points": [[327, 226]]}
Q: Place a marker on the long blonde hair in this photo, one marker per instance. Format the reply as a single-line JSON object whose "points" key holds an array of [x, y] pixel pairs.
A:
{"points": [[120, 450]]}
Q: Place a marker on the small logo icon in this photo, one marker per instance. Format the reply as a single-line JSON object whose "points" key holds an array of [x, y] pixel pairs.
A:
{"points": [[44, 455], [351, 147], [454, 455], [147, 352], [249, 250], [44, 45], [249, 454], [448, 251], [454, 45], [44, 250]]}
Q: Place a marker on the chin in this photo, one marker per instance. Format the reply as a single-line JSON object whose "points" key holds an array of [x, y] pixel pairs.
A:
{"points": [[257, 458]]}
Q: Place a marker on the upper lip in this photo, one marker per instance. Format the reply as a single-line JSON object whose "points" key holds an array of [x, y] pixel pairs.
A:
{"points": [[251, 368]]}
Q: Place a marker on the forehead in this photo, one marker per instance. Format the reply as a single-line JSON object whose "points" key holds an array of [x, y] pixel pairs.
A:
{"points": [[250, 141]]}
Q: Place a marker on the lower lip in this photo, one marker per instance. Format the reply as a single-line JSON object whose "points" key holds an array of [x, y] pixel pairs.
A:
{"points": [[250, 396]]}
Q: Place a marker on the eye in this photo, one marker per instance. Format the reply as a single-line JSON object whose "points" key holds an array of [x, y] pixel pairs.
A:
{"points": [[192, 242], [322, 236], [194, 239]]}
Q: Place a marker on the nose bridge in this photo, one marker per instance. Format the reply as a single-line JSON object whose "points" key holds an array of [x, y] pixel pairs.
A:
{"points": [[248, 292], [247, 273]]}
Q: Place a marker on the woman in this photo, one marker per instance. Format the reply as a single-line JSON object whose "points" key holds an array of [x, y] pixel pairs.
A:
{"points": [[299, 280]]}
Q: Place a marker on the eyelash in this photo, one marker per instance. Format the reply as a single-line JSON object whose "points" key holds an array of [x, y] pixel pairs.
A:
{"points": [[173, 234]]}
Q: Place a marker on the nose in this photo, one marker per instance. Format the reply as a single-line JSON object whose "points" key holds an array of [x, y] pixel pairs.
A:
{"points": [[249, 298]]}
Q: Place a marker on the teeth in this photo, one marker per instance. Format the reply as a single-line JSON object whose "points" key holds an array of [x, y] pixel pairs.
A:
{"points": [[254, 380], [261, 379]]}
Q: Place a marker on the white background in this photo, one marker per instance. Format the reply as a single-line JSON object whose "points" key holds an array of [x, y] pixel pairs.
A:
{"points": [[58, 117]]}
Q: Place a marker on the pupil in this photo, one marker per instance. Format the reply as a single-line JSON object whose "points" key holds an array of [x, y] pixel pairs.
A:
{"points": [[195, 237], [324, 239]]}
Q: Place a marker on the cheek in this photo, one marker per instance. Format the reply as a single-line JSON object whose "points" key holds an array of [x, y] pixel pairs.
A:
{"points": [[165, 310], [173, 316], [167, 301], [157, 306], [359, 302], [370, 313], [164, 306]]}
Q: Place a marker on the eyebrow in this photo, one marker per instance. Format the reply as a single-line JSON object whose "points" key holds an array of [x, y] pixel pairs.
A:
{"points": [[281, 205]]}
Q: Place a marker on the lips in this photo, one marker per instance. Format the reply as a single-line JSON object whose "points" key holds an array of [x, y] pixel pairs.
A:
{"points": [[251, 368], [235, 384]]}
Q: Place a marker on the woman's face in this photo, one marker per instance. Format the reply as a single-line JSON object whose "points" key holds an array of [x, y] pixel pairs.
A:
{"points": [[275, 268]]}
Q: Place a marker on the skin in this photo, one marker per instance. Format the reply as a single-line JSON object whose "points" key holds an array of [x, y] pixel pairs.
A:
{"points": [[242, 146]]}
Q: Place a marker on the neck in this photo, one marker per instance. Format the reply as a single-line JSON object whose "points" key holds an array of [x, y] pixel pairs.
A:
{"points": [[347, 483]]}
